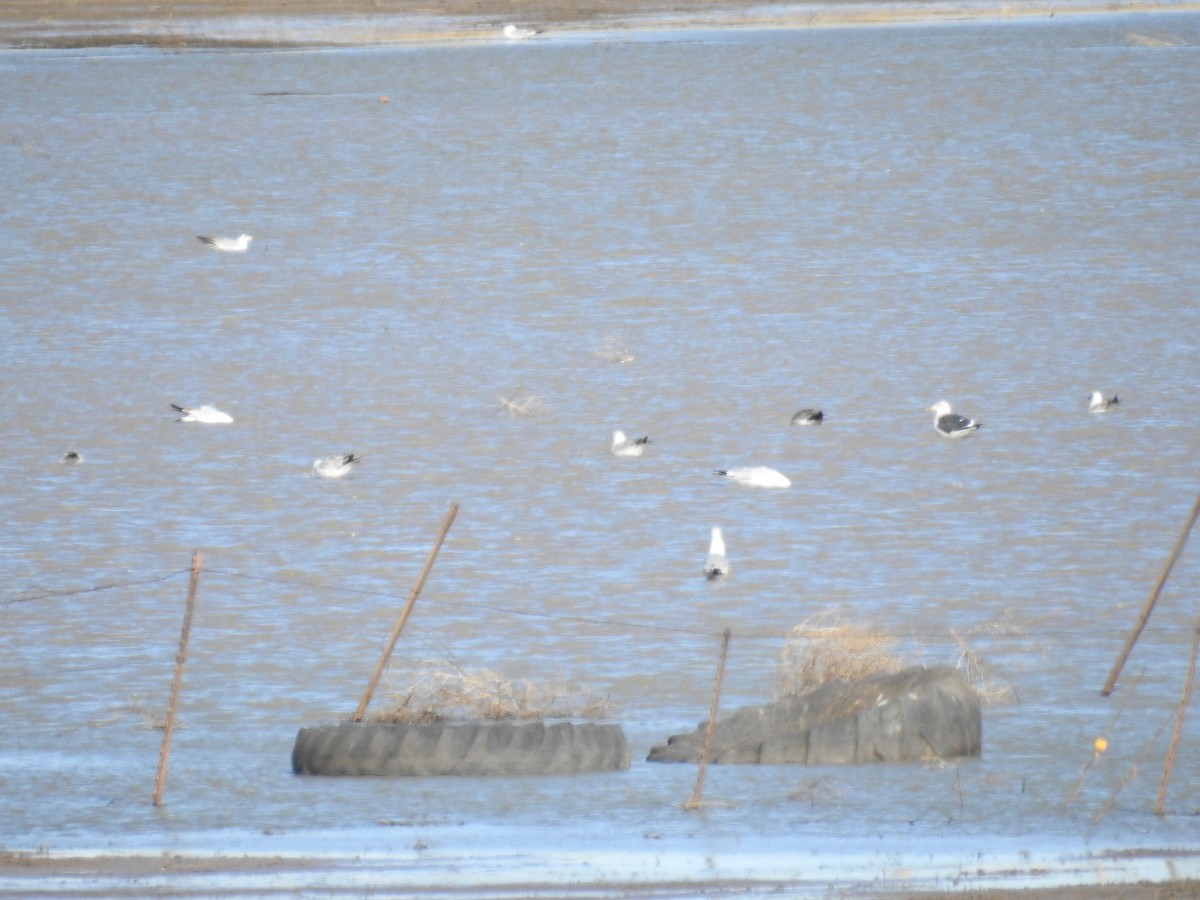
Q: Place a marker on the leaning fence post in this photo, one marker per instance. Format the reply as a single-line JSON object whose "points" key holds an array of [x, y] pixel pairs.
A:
{"points": [[404, 613], [176, 681], [694, 802], [1169, 762], [1150, 601]]}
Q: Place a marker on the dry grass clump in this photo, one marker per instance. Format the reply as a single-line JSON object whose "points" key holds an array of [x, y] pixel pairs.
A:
{"points": [[442, 691], [992, 690], [825, 649]]}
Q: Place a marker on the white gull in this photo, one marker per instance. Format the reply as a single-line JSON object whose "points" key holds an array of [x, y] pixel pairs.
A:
{"points": [[209, 415], [755, 476], [625, 446], [808, 417], [238, 244], [513, 33], [1099, 403], [716, 564], [334, 466], [949, 423]]}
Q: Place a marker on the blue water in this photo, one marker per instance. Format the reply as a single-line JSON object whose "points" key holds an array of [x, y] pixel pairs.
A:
{"points": [[868, 220]]}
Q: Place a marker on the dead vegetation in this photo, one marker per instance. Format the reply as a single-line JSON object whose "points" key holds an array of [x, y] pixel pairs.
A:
{"points": [[826, 648], [992, 690], [522, 402], [819, 791], [613, 350], [441, 691]]}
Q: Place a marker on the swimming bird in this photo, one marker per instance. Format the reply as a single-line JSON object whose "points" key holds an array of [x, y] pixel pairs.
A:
{"points": [[716, 564], [1098, 402], [950, 424], [334, 466], [71, 457], [808, 417], [623, 446], [238, 244], [209, 415], [513, 33], [755, 476]]}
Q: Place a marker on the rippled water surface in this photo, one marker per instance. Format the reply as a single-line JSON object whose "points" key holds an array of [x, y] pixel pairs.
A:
{"points": [[866, 220]]}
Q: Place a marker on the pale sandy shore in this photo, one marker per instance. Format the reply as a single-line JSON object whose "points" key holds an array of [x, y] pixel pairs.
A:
{"points": [[229, 877], [287, 23]]}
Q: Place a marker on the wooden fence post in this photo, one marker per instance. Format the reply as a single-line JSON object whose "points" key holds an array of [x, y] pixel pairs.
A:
{"points": [[404, 613], [694, 802], [1169, 763], [1150, 601], [176, 681]]}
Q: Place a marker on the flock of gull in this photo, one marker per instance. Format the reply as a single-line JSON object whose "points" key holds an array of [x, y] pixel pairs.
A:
{"points": [[946, 422]]}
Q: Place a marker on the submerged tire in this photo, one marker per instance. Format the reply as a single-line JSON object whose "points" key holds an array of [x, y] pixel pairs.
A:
{"points": [[917, 714], [469, 748]]}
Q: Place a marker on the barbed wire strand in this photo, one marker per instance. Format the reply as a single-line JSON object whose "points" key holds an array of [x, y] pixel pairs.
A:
{"points": [[623, 625]]}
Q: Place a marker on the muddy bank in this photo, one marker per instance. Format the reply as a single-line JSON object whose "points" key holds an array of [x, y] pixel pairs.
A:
{"points": [[181, 875], [181, 24]]}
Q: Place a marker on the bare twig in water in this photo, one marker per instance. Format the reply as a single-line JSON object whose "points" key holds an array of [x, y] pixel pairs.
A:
{"points": [[823, 790], [1131, 773], [977, 672], [151, 720], [521, 403], [613, 350], [1101, 744]]}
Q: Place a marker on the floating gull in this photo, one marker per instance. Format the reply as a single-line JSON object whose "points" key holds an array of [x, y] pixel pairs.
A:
{"points": [[71, 457], [209, 415], [623, 446], [1098, 402], [755, 476], [513, 33], [238, 244], [808, 417], [334, 466], [716, 565], [950, 424]]}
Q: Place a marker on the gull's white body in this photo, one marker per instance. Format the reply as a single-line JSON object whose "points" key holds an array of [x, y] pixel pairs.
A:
{"points": [[1099, 403], [950, 424], [334, 466], [239, 244], [209, 415], [625, 446], [808, 417], [716, 564], [513, 33], [756, 476]]}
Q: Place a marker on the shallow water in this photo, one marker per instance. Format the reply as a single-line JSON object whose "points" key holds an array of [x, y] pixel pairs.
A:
{"points": [[867, 220]]}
